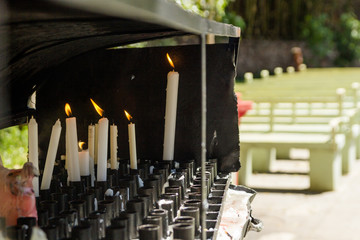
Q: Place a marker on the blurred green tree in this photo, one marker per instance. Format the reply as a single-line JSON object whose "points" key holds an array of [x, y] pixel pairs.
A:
{"points": [[14, 146]]}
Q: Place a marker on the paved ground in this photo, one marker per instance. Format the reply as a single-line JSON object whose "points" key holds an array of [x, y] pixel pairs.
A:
{"points": [[290, 212]]}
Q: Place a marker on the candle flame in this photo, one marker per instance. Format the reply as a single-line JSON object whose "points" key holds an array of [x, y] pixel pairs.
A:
{"points": [[170, 61], [97, 108], [128, 116], [81, 145], [68, 110]]}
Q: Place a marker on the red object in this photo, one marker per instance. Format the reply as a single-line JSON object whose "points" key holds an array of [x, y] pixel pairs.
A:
{"points": [[242, 106], [17, 194]]}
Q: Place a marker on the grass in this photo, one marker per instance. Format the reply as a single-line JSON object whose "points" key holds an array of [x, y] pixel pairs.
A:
{"points": [[343, 75]]}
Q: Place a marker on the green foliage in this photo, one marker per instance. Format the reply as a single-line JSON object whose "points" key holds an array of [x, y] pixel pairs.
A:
{"points": [[234, 19], [14, 146], [326, 39], [348, 40], [212, 9], [318, 35]]}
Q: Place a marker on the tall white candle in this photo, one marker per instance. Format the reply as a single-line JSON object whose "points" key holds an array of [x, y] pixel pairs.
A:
{"points": [[102, 149], [132, 146], [84, 162], [33, 151], [51, 155], [96, 143], [72, 145], [170, 113], [91, 143], [132, 142], [113, 146]]}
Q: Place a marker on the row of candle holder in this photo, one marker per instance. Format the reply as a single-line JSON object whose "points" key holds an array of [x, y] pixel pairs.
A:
{"points": [[139, 208]]}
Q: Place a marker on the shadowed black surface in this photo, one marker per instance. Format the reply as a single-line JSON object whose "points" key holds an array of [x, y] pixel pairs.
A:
{"points": [[135, 80]]}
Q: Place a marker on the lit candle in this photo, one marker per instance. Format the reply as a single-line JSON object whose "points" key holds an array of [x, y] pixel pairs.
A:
{"points": [[102, 143], [84, 161], [170, 112], [72, 145], [113, 146], [33, 151], [96, 143], [132, 142], [91, 141], [51, 155]]}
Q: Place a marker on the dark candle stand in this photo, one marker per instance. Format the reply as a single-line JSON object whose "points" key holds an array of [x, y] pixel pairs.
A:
{"points": [[167, 205]]}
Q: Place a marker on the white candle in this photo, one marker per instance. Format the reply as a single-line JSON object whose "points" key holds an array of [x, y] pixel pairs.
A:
{"points": [[96, 143], [51, 155], [84, 163], [132, 146], [72, 151], [132, 142], [103, 130], [170, 114], [113, 146], [33, 151], [91, 143]]}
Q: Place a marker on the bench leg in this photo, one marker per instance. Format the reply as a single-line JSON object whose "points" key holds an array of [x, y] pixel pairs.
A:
{"points": [[263, 159], [357, 144], [325, 169], [245, 171], [348, 154]]}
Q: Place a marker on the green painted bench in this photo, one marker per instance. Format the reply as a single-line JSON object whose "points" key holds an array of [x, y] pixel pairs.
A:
{"points": [[325, 155]]}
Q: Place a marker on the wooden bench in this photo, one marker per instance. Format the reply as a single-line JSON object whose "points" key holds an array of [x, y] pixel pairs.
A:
{"points": [[325, 155]]}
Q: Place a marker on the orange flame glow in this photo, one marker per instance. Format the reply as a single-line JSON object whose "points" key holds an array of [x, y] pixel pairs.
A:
{"points": [[81, 145], [170, 61], [68, 110], [128, 116], [97, 108]]}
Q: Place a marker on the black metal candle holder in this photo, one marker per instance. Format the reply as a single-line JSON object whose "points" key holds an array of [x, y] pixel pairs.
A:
{"points": [[79, 206], [122, 221], [79, 186], [116, 232], [175, 198], [29, 222], [183, 231], [151, 191], [86, 180], [51, 232], [155, 220], [61, 226], [44, 194], [148, 206], [62, 200], [138, 206], [51, 206], [153, 182], [192, 212], [43, 217], [149, 232], [164, 215], [108, 206], [186, 219], [103, 185], [131, 215], [168, 205], [126, 181], [178, 179], [98, 219], [72, 220], [177, 190], [81, 232]]}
